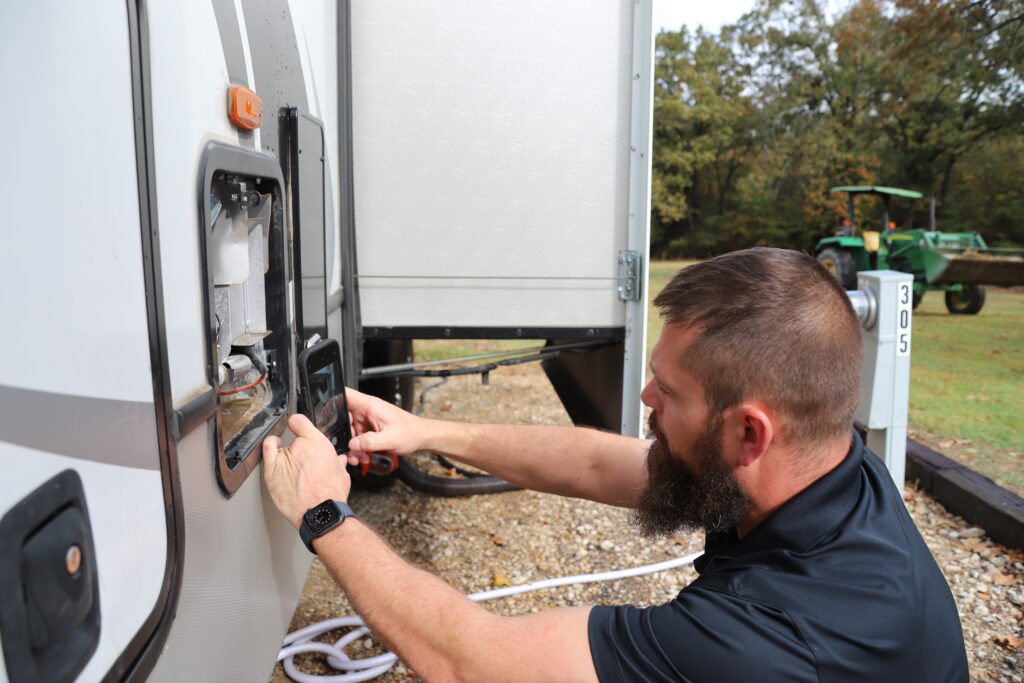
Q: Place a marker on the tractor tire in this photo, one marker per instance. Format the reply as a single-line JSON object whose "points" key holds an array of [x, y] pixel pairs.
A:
{"points": [[841, 265], [968, 301]]}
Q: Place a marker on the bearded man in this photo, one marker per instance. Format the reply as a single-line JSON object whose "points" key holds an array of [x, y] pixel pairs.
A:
{"points": [[813, 569]]}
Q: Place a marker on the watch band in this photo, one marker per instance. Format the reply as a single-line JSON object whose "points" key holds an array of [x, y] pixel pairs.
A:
{"points": [[306, 532]]}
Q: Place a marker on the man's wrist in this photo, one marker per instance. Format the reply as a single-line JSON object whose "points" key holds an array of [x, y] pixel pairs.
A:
{"points": [[432, 434], [336, 534], [441, 436]]}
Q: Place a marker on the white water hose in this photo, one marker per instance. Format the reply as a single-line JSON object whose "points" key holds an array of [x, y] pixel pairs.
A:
{"points": [[300, 641]]}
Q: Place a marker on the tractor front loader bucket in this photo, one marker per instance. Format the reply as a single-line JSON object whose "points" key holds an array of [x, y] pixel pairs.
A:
{"points": [[1001, 267]]}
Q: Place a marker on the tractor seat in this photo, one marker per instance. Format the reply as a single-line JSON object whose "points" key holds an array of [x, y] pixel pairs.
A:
{"points": [[871, 241]]}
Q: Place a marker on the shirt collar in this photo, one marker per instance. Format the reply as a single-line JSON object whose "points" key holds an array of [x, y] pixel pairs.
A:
{"points": [[800, 521]]}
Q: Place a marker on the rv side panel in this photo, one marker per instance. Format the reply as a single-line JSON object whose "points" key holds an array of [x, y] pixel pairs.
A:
{"points": [[76, 384]]}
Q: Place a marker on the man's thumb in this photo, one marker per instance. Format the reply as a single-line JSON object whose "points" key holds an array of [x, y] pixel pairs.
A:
{"points": [[369, 442], [271, 448], [301, 426]]}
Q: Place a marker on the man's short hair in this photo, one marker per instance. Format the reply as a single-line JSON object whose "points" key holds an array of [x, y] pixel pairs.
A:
{"points": [[775, 326]]}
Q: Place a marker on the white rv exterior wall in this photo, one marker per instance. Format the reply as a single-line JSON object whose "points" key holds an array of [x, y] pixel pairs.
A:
{"points": [[73, 299], [243, 567], [491, 139]]}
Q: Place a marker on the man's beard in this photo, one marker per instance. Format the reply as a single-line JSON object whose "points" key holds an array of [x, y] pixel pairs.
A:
{"points": [[680, 497]]}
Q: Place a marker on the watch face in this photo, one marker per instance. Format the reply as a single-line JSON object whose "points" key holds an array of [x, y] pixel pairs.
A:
{"points": [[322, 517]]}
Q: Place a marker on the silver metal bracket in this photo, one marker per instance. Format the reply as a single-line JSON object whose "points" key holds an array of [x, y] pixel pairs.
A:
{"points": [[630, 270]]}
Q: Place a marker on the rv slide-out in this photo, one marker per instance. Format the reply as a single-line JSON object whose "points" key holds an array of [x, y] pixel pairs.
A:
{"points": [[392, 171]]}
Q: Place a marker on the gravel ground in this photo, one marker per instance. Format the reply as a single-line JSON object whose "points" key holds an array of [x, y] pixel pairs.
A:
{"points": [[476, 543]]}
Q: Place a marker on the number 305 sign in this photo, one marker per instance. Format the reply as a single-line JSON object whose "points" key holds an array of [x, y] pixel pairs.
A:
{"points": [[906, 303]]}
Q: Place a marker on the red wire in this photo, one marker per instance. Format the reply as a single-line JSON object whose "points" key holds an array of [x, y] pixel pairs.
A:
{"points": [[245, 388]]}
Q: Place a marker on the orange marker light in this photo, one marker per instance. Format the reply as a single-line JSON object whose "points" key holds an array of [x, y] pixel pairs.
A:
{"points": [[245, 108]]}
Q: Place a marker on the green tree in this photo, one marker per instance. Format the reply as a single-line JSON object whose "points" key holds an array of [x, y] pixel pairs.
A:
{"points": [[754, 124]]}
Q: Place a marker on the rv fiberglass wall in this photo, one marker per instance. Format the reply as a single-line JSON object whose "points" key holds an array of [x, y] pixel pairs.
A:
{"points": [[168, 266], [501, 176]]}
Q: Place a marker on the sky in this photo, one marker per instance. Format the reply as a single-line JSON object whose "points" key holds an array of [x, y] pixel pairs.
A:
{"points": [[671, 14]]}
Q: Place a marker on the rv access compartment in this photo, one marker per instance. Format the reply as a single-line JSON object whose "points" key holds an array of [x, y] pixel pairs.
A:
{"points": [[246, 295]]}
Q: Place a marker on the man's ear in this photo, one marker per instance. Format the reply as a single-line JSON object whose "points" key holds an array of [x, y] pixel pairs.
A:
{"points": [[749, 431]]}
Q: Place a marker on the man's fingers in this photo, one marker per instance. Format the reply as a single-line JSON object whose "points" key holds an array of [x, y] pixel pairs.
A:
{"points": [[271, 448], [370, 442], [357, 400], [301, 426]]}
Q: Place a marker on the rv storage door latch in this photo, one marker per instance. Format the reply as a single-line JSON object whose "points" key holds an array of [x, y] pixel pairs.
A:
{"points": [[630, 267]]}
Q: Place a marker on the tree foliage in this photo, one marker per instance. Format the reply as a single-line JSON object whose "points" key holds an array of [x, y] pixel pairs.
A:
{"points": [[753, 125]]}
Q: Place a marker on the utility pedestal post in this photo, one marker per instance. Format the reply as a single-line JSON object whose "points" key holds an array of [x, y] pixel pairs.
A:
{"points": [[883, 302]]}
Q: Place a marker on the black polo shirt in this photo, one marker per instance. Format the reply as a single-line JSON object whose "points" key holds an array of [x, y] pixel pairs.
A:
{"points": [[836, 585]]}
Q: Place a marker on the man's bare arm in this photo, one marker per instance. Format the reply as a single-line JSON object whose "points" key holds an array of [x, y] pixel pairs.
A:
{"points": [[442, 634], [439, 632], [568, 461]]}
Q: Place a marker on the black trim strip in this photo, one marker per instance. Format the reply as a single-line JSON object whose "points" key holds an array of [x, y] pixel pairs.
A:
{"points": [[455, 332], [352, 333], [138, 659]]}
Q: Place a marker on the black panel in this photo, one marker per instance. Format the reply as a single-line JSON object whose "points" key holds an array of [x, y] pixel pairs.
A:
{"points": [[454, 332], [307, 191], [589, 385], [50, 612]]}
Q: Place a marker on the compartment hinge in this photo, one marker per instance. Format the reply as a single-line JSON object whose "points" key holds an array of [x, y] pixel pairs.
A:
{"points": [[630, 271]]}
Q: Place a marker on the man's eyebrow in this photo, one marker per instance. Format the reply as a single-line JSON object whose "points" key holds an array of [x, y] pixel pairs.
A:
{"points": [[657, 379]]}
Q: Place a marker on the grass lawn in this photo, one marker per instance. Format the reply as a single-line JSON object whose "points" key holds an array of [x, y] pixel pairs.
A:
{"points": [[967, 384], [966, 379]]}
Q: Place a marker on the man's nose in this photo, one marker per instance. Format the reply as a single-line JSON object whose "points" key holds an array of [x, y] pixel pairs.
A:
{"points": [[647, 396]]}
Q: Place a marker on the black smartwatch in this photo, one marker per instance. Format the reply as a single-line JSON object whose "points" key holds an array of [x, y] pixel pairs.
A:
{"points": [[320, 519]]}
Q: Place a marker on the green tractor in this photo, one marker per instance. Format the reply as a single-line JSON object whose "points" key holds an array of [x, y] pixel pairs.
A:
{"points": [[958, 263]]}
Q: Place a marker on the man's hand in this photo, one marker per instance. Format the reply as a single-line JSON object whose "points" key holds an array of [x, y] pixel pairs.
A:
{"points": [[380, 427], [304, 474]]}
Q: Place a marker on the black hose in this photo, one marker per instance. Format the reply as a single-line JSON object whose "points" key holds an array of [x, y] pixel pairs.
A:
{"points": [[474, 483], [448, 487], [449, 465]]}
